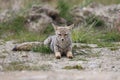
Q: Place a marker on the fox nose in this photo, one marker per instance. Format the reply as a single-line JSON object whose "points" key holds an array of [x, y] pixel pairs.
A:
{"points": [[62, 39]]}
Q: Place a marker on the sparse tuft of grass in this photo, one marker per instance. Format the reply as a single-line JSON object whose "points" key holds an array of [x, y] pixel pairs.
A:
{"points": [[19, 66], [114, 48], [105, 44], [79, 59], [2, 56], [42, 49], [88, 53], [16, 66], [78, 67]]}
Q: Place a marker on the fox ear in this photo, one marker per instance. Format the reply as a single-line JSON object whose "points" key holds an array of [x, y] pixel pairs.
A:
{"points": [[71, 26], [54, 26]]}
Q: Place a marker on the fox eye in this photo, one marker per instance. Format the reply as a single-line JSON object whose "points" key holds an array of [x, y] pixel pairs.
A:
{"points": [[59, 34], [65, 34]]}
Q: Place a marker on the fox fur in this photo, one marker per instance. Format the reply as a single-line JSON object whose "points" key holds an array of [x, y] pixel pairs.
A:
{"points": [[61, 42]]}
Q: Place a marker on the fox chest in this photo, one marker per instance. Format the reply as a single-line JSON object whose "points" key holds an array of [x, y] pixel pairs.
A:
{"points": [[64, 46]]}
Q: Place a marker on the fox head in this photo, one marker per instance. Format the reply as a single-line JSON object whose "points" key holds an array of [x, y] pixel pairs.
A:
{"points": [[63, 32]]}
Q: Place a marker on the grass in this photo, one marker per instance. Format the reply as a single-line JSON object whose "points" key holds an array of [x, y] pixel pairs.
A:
{"points": [[84, 35], [16, 66], [19, 66], [86, 53], [2, 56], [78, 67], [95, 21], [26, 37], [114, 48], [107, 2], [78, 58], [49, 30], [91, 35], [112, 36], [15, 29], [64, 8], [42, 49], [15, 25], [85, 3]]}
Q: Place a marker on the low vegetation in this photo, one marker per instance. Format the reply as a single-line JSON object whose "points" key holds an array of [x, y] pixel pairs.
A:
{"points": [[15, 29], [20, 66], [93, 36], [64, 8], [88, 33], [42, 49], [78, 67]]}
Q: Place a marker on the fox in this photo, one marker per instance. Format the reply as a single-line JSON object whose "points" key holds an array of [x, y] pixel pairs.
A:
{"points": [[61, 42]]}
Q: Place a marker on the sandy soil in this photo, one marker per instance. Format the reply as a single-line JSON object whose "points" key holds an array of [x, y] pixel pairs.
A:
{"points": [[88, 64]]}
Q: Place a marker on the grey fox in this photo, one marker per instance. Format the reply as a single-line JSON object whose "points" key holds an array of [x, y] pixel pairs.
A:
{"points": [[61, 42]]}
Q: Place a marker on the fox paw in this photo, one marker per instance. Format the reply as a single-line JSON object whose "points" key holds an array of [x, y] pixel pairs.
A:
{"points": [[57, 55], [70, 55]]}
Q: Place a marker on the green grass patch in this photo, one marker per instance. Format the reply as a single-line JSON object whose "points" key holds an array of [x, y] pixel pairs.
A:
{"points": [[64, 8], [91, 35], [114, 48], [26, 37], [105, 44], [85, 3], [78, 67], [107, 2], [95, 21], [84, 35], [15, 25], [49, 30], [112, 36], [15, 29], [42, 49]]}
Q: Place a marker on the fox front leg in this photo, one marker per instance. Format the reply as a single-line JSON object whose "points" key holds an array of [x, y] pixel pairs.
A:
{"points": [[57, 53], [69, 54]]}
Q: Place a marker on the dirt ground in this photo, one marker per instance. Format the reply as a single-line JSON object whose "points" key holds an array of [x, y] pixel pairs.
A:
{"points": [[88, 64], [60, 75]]}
